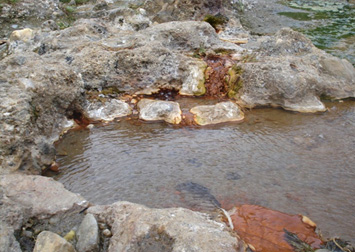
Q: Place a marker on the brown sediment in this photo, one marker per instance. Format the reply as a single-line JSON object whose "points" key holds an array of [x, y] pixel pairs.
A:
{"points": [[188, 119], [164, 94], [265, 229]]}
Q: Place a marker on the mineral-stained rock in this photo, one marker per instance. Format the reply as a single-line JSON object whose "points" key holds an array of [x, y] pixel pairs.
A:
{"points": [[88, 235], [138, 228], [51, 242], [221, 112], [156, 110], [265, 229], [109, 110], [195, 80]]}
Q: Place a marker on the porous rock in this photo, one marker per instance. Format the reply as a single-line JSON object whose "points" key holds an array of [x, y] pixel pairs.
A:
{"points": [[219, 113], [51, 242], [156, 110], [137, 228]]}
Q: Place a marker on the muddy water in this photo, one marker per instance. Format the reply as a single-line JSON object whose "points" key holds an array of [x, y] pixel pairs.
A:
{"points": [[295, 163]]}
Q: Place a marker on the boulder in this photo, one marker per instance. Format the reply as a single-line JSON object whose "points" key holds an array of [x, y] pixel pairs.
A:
{"points": [[288, 71], [88, 235], [109, 110], [51, 242], [138, 228], [40, 196], [219, 113], [157, 110]]}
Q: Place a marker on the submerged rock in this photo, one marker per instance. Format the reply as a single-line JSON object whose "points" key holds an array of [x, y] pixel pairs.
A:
{"points": [[108, 110], [219, 113], [155, 110], [268, 230], [138, 228], [88, 235], [51, 242]]}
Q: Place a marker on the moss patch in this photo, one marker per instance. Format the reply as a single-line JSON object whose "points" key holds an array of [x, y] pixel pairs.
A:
{"points": [[215, 20]]}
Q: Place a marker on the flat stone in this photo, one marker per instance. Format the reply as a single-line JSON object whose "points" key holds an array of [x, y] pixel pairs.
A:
{"points": [[109, 110], [88, 235], [51, 242], [219, 113], [157, 110], [40, 196]]}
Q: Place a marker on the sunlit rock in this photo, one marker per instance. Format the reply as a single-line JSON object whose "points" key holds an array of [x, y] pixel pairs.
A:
{"points": [[219, 113], [157, 110]]}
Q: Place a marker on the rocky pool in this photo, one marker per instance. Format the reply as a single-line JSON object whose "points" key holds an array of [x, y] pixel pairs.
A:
{"points": [[291, 162]]}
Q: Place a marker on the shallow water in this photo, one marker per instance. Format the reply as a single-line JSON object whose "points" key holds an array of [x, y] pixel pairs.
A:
{"points": [[291, 162]]}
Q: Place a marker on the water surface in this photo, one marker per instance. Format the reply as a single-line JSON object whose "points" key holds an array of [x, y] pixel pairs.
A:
{"points": [[291, 162]]}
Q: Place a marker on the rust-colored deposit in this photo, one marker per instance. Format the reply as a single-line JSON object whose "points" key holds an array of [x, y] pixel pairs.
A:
{"points": [[264, 228]]}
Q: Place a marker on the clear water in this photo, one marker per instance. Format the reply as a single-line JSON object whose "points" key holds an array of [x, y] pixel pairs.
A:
{"points": [[291, 162]]}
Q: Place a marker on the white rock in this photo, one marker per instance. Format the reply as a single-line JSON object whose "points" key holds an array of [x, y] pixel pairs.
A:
{"points": [[219, 113], [155, 110], [109, 110]]}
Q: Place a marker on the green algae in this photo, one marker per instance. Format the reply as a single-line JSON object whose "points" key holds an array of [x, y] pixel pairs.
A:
{"points": [[332, 23], [235, 82]]}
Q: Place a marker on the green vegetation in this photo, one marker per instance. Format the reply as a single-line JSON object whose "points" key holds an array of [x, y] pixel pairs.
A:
{"points": [[333, 24], [8, 2], [234, 80], [200, 52], [215, 20], [77, 2]]}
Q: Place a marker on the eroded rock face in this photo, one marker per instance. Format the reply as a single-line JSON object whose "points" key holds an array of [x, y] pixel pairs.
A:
{"points": [[137, 228], [219, 113], [155, 110]]}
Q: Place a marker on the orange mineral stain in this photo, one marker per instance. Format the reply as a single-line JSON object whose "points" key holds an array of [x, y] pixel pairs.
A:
{"points": [[264, 228]]}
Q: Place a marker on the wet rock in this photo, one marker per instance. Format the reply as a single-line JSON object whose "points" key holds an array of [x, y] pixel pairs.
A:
{"points": [[269, 230], [88, 235], [51, 242], [221, 112], [175, 229], [108, 110], [155, 110]]}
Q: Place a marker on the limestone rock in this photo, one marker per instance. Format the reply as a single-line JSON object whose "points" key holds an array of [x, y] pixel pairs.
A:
{"points": [[109, 110], [88, 235], [138, 228], [23, 35], [51, 242], [40, 196], [292, 73], [213, 114], [156, 110]]}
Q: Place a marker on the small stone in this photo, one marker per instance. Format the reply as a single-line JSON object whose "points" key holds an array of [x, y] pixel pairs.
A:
{"points": [[88, 235], [107, 233], [27, 233], [51, 242], [156, 110], [102, 226], [23, 35]]}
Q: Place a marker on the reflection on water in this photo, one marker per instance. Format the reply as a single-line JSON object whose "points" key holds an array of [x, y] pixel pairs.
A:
{"points": [[291, 162]]}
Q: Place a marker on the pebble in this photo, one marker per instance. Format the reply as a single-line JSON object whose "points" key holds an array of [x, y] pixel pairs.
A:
{"points": [[107, 233]]}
